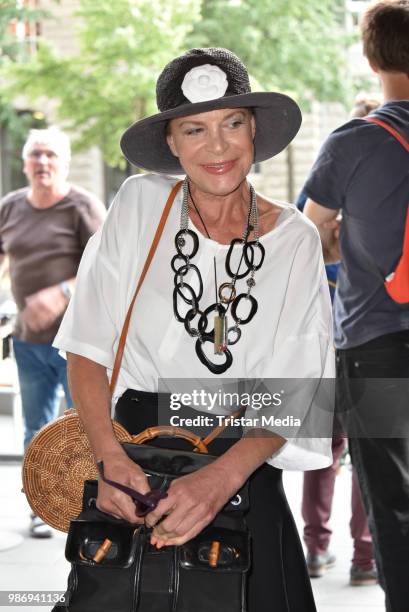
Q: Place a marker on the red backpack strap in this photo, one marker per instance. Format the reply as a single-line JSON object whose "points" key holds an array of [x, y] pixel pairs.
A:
{"points": [[397, 282], [390, 129]]}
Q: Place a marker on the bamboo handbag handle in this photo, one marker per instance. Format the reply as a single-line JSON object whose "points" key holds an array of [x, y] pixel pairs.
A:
{"points": [[172, 432]]}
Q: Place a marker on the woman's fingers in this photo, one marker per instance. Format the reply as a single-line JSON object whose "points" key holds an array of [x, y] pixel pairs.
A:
{"points": [[165, 507], [178, 509], [192, 503], [119, 505], [183, 511], [178, 540], [119, 468], [181, 520]]}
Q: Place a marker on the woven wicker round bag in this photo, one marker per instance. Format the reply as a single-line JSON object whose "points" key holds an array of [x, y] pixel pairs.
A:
{"points": [[59, 460], [56, 464]]}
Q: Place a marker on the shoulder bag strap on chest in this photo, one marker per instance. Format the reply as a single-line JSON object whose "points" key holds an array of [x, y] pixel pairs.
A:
{"points": [[155, 242]]}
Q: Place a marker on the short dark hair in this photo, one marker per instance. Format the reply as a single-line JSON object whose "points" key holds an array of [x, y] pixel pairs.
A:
{"points": [[385, 34]]}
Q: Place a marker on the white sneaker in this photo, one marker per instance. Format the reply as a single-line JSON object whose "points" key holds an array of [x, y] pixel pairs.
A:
{"points": [[39, 529]]}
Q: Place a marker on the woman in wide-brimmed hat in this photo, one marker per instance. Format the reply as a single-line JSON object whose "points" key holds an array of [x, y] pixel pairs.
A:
{"points": [[236, 289]]}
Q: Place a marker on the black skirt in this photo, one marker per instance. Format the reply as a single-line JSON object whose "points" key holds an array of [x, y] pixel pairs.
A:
{"points": [[278, 580]]}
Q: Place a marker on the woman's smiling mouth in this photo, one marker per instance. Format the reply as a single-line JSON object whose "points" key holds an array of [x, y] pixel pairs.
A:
{"points": [[220, 167]]}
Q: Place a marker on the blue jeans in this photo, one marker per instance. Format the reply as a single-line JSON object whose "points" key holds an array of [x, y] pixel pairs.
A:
{"points": [[40, 372]]}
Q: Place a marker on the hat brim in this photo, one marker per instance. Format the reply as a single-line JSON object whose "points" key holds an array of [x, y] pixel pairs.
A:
{"points": [[278, 119]]}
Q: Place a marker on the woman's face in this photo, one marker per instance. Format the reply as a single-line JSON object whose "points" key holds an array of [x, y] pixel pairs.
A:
{"points": [[215, 149]]}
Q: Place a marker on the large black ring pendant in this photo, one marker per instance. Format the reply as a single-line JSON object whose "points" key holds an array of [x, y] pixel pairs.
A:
{"points": [[180, 242], [193, 302], [174, 261], [180, 283], [215, 368], [253, 309], [250, 247], [229, 271]]}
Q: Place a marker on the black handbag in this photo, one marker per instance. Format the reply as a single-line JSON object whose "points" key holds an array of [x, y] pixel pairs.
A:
{"points": [[207, 573]]}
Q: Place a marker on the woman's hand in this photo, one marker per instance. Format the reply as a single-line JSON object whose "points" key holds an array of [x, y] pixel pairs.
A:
{"points": [[118, 467], [192, 503]]}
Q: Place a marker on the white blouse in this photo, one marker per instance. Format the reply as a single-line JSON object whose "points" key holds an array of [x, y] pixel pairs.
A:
{"points": [[289, 337]]}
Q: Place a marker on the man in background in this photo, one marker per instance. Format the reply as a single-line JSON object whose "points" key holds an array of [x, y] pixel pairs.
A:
{"points": [[318, 489], [362, 170], [43, 230]]}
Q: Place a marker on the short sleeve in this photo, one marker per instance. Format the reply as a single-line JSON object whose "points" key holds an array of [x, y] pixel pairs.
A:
{"points": [[333, 169], [91, 216], [304, 361], [89, 327]]}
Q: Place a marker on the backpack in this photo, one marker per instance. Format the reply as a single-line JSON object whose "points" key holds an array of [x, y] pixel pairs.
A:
{"points": [[396, 282]]}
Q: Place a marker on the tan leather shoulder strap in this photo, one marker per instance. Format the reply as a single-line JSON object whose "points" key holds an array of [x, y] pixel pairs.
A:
{"points": [[155, 242], [220, 428]]}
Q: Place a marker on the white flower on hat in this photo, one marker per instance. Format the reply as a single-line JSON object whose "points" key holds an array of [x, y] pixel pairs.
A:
{"points": [[204, 83]]}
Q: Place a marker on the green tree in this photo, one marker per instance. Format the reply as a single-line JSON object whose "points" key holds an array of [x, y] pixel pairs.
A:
{"points": [[110, 82], [295, 46]]}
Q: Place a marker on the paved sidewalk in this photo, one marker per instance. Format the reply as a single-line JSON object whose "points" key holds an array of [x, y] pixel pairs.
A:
{"points": [[332, 592], [40, 564]]}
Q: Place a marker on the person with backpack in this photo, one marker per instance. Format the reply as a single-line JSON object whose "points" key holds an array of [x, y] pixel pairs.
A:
{"points": [[363, 171], [318, 486]]}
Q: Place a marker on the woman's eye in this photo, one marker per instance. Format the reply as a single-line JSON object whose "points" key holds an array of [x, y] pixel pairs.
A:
{"points": [[236, 123], [193, 131]]}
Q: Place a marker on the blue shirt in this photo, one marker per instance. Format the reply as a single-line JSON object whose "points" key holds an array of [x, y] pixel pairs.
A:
{"points": [[364, 171]]}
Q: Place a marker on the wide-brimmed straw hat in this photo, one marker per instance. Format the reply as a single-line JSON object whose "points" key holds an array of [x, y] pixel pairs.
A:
{"points": [[198, 81]]}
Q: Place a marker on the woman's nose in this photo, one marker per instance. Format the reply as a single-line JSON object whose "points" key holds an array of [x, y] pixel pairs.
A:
{"points": [[216, 142]]}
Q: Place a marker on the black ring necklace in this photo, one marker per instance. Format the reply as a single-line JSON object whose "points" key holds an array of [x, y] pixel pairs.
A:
{"points": [[252, 256]]}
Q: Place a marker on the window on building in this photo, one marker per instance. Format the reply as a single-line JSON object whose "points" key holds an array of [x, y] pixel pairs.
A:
{"points": [[25, 32]]}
